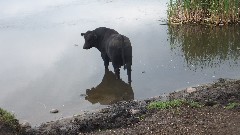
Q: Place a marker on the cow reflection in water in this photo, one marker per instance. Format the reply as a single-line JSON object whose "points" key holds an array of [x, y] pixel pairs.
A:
{"points": [[110, 91]]}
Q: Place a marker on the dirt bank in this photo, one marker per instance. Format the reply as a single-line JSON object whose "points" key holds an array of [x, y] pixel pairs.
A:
{"points": [[216, 116]]}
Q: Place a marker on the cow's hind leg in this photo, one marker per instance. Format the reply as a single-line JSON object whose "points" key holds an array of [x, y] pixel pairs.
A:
{"points": [[129, 70], [106, 63], [117, 71]]}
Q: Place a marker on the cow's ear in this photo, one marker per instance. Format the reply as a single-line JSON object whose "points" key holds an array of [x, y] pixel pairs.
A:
{"points": [[82, 34]]}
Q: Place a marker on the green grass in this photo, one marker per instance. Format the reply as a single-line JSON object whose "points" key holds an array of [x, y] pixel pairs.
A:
{"points": [[194, 104], [172, 104], [232, 105], [204, 11], [9, 120], [165, 104]]}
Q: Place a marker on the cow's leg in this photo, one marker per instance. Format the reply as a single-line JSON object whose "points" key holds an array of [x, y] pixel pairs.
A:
{"points": [[106, 60], [129, 73], [117, 71], [106, 63]]}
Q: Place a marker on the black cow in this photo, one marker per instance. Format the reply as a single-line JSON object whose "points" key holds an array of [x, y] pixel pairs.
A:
{"points": [[114, 47]]}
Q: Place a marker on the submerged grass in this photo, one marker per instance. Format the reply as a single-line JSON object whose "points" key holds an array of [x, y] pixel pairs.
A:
{"points": [[217, 12]]}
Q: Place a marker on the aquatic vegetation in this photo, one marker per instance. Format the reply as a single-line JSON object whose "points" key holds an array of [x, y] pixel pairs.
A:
{"points": [[218, 12]]}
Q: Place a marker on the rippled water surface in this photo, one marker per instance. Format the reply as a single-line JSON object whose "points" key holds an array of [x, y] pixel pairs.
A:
{"points": [[43, 65]]}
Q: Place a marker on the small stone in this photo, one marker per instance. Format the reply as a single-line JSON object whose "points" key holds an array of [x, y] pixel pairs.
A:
{"points": [[54, 111], [84, 95], [191, 89], [26, 124], [134, 111], [76, 115]]}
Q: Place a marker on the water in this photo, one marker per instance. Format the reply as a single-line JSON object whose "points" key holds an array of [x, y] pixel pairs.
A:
{"points": [[43, 65]]}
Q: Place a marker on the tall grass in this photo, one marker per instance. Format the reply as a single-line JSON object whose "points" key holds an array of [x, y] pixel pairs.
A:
{"points": [[217, 12]]}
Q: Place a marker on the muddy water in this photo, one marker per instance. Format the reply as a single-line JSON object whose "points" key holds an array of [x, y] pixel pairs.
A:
{"points": [[43, 65]]}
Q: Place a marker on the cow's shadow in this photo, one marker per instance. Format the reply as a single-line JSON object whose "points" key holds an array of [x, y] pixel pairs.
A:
{"points": [[110, 90]]}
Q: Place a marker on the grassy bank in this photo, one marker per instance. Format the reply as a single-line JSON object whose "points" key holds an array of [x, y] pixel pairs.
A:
{"points": [[8, 123], [218, 12]]}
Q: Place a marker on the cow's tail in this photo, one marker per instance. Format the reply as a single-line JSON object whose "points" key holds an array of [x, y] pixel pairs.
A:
{"points": [[123, 53]]}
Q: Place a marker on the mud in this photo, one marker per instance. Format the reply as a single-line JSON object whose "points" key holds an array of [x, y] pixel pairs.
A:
{"points": [[133, 117]]}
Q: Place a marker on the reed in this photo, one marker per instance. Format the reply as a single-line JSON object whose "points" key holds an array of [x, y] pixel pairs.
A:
{"points": [[218, 12]]}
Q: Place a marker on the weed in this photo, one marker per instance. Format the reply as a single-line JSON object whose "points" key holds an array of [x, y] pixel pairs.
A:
{"points": [[194, 104], [173, 104], [8, 119], [232, 105], [142, 117], [165, 104]]}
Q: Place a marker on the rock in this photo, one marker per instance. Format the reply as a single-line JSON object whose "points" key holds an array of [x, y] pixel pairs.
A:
{"points": [[54, 111], [26, 124], [134, 111], [84, 95], [191, 89]]}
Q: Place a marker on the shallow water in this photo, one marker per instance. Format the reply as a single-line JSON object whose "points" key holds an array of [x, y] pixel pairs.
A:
{"points": [[43, 65]]}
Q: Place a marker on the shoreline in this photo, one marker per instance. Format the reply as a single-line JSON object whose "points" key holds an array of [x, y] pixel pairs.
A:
{"points": [[217, 111], [126, 114]]}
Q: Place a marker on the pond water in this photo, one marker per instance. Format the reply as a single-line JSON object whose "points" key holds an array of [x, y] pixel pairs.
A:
{"points": [[43, 65]]}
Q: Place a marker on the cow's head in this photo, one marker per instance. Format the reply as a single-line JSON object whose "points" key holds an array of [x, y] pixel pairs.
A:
{"points": [[90, 39]]}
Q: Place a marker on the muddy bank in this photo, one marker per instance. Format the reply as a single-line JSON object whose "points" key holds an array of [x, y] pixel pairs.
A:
{"points": [[133, 117], [118, 115]]}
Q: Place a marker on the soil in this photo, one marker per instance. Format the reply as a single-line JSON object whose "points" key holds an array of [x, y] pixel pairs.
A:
{"points": [[133, 117]]}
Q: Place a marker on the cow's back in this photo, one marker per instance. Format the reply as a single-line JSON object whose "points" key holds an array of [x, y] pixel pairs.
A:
{"points": [[119, 46], [103, 34]]}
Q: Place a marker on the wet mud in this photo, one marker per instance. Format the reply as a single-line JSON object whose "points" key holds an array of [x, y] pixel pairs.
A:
{"points": [[133, 117]]}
